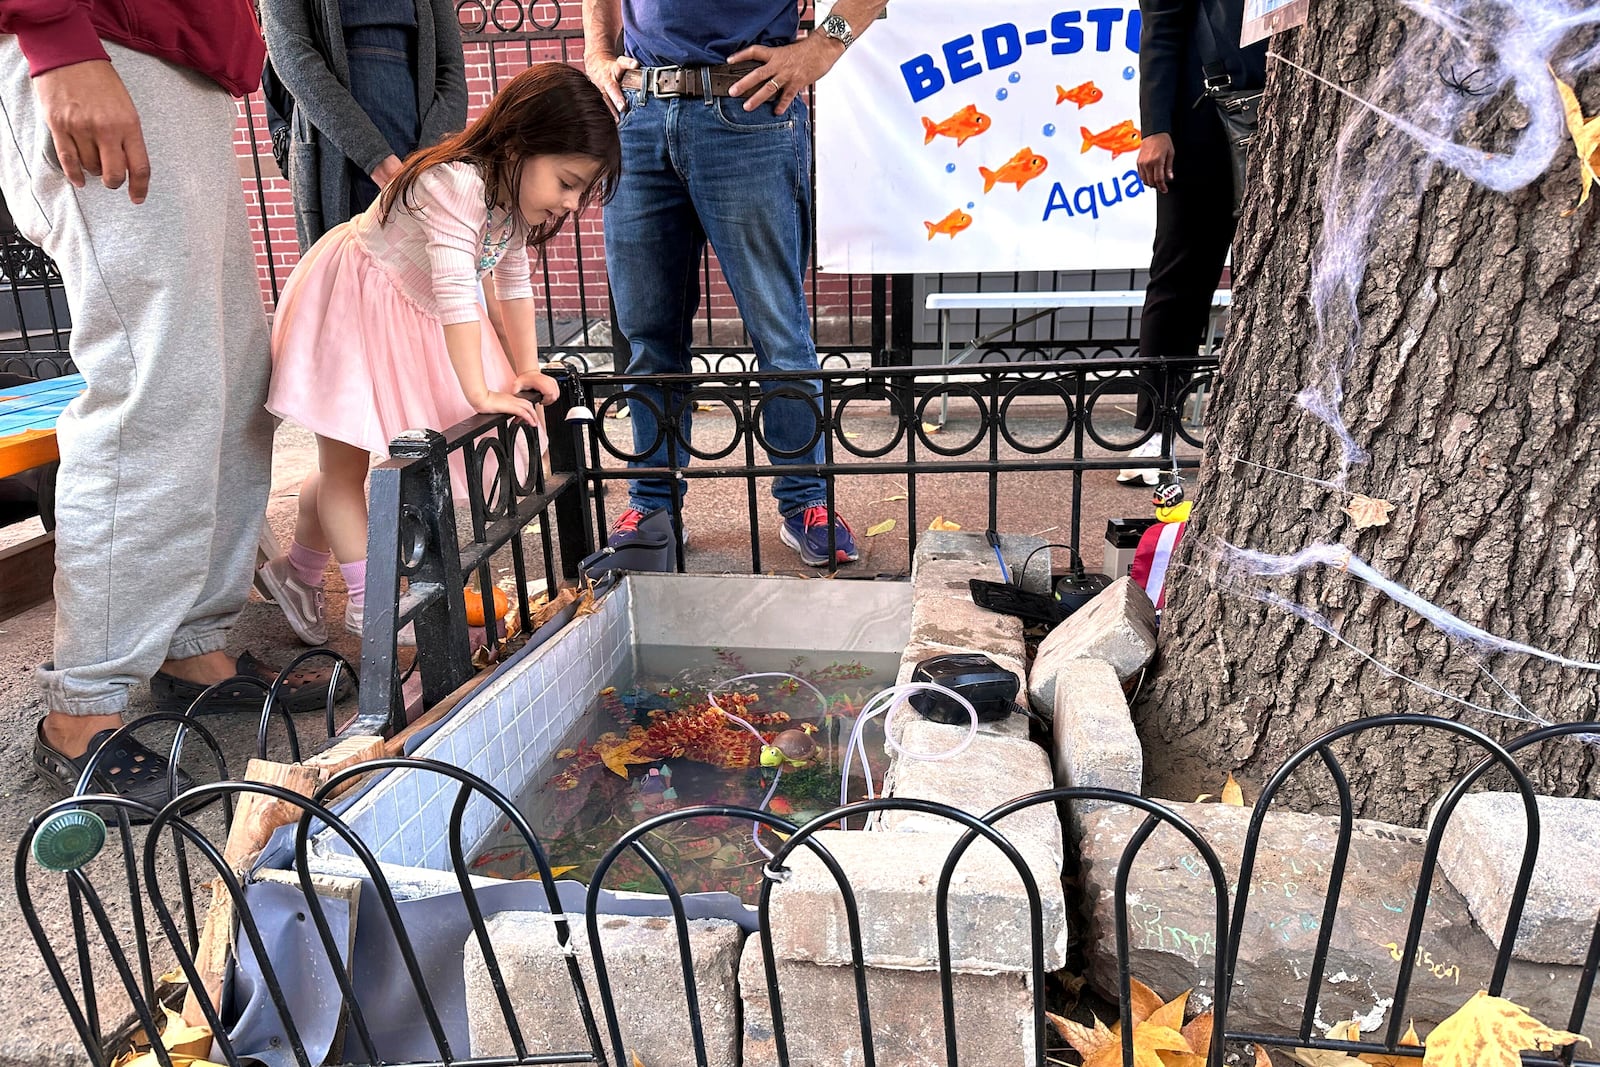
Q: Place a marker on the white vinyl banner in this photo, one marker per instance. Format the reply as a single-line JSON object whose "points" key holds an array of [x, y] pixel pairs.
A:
{"points": [[957, 136]]}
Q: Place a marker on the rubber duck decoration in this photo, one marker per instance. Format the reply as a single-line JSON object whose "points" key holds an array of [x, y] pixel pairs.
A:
{"points": [[792, 748], [1169, 501], [1154, 554]]}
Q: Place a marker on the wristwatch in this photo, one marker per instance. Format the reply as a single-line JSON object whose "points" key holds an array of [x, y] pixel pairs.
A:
{"points": [[836, 27]]}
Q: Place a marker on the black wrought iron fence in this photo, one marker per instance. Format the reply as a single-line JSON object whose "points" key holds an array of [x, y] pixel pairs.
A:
{"points": [[338, 977]]}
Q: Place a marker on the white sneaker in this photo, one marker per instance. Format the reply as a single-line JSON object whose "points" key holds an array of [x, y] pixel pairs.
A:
{"points": [[354, 617], [302, 604], [1142, 475]]}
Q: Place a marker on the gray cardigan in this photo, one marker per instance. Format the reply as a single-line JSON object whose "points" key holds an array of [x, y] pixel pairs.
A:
{"points": [[305, 39]]}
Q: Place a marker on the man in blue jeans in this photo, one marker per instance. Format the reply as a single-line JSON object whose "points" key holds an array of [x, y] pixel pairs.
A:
{"points": [[716, 145]]}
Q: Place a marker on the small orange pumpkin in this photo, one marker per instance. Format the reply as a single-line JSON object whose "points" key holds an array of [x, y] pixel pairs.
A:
{"points": [[475, 605]]}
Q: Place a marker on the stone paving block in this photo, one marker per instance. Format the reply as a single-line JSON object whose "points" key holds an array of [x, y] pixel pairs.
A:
{"points": [[646, 982], [1093, 741], [990, 772], [1481, 852], [1117, 626], [893, 877], [1172, 918], [961, 624], [822, 1028], [971, 547]]}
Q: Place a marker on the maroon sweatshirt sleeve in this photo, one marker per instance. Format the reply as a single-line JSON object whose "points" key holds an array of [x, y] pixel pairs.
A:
{"points": [[52, 33]]}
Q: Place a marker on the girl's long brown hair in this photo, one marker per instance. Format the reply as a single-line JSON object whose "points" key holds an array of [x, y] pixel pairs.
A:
{"points": [[548, 109]]}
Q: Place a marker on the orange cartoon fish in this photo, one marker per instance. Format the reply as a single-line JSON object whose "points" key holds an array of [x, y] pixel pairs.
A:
{"points": [[968, 122], [1084, 95], [1019, 169], [951, 224], [1122, 137]]}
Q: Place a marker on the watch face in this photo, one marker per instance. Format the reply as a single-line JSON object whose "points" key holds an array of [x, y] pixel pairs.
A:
{"points": [[836, 27]]}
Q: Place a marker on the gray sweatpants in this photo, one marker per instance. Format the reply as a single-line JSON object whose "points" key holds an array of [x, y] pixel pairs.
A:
{"points": [[166, 457]]}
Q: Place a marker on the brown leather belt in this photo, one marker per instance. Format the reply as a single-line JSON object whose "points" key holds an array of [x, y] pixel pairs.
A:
{"points": [[698, 82]]}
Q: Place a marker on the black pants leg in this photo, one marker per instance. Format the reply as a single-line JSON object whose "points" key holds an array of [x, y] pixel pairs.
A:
{"points": [[1194, 227]]}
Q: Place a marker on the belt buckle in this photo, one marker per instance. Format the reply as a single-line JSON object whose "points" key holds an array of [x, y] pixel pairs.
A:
{"points": [[648, 81]]}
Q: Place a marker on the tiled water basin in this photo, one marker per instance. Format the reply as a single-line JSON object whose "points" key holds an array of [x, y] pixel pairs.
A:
{"points": [[510, 731], [654, 743]]}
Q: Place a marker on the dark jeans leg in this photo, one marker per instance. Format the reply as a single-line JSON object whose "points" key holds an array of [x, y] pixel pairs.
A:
{"points": [[653, 247], [1194, 227]]}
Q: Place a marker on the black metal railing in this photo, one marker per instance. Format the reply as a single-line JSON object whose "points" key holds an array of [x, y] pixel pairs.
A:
{"points": [[135, 872], [988, 419]]}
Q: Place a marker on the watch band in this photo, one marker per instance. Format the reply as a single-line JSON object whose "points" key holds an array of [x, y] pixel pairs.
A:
{"points": [[838, 28]]}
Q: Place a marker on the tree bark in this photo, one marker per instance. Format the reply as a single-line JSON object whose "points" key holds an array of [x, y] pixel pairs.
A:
{"points": [[1472, 382]]}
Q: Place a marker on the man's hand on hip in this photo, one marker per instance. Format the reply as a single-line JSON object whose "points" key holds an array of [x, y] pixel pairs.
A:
{"points": [[785, 71], [605, 70], [95, 126], [1155, 161]]}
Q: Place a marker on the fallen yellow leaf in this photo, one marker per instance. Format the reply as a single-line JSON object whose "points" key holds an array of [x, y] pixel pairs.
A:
{"points": [[1585, 138], [1383, 1059], [1232, 795], [931, 427], [1368, 511], [637, 1062], [533, 875], [890, 499], [620, 756], [180, 1037], [1262, 1060], [1086, 1041], [941, 523], [1317, 1057], [880, 527], [1490, 1032], [848, 436]]}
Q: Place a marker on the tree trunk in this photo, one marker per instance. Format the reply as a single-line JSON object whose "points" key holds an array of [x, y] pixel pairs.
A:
{"points": [[1471, 379]]}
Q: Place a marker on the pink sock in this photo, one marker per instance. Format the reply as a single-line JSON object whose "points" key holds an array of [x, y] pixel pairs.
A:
{"points": [[355, 580], [307, 564]]}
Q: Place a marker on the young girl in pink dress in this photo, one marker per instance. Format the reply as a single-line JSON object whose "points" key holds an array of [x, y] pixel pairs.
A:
{"points": [[380, 329]]}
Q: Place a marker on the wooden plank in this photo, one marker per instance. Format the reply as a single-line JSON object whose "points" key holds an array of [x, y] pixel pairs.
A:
{"points": [[346, 753], [27, 572], [27, 450], [255, 817]]}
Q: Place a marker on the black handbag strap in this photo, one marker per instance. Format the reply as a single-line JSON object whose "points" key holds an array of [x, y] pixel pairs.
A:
{"points": [[1211, 62]]}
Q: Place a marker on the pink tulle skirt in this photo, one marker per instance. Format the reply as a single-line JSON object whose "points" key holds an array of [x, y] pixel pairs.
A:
{"points": [[355, 360]]}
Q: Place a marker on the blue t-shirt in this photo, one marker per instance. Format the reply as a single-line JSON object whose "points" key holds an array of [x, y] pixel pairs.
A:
{"points": [[683, 33]]}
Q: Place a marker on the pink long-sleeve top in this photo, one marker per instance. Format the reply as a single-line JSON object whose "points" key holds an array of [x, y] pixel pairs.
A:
{"points": [[436, 252]]}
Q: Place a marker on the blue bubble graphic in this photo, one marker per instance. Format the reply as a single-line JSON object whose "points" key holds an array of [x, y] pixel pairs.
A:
{"points": [[1128, 73], [1016, 76], [1001, 94], [1049, 129], [949, 168], [971, 205]]}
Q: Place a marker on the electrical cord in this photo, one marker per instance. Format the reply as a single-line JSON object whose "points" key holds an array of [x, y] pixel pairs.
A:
{"points": [[1077, 561]]}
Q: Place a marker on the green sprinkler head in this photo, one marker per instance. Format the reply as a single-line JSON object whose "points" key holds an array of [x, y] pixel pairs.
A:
{"points": [[68, 839]]}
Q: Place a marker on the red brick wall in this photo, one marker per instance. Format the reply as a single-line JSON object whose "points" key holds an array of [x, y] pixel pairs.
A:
{"points": [[563, 292]]}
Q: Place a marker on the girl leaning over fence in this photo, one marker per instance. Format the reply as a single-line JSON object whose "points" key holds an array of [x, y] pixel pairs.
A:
{"points": [[380, 328]]}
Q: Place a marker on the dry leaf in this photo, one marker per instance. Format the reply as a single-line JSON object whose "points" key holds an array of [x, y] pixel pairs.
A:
{"points": [[1149, 1041], [1383, 1059], [620, 756], [941, 523], [637, 1062], [1080, 1037], [1146, 1001], [931, 427], [1262, 1059], [1490, 1032], [890, 499], [1317, 1057], [1198, 1034], [1202, 798], [880, 527], [1585, 137], [534, 876], [848, 436], [1232, 795], [1368, 511], [622, 412]]}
